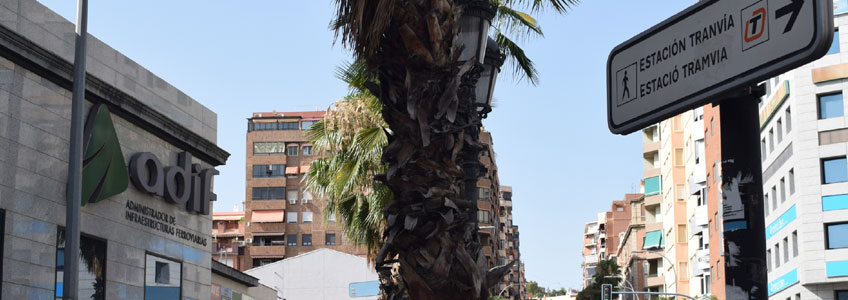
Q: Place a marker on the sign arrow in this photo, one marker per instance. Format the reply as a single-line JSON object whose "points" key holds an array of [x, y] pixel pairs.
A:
{"points": [[792, 8]]}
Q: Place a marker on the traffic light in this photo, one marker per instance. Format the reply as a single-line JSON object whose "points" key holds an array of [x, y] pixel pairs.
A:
{"points": [[606, 292]]}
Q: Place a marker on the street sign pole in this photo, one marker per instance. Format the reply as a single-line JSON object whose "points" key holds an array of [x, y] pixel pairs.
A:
{"points": [[70, 277], [743, 219]]}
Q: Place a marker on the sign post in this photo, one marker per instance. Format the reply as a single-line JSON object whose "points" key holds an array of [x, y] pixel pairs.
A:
{"points": [[708, 50], [716, 52]]}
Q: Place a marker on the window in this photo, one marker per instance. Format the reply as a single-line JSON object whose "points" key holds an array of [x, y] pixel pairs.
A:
{"points": [[792, 181], [712, 126], [788, 120], [92, 267], [718, 270], [836, 236], [291, 217], [830, 106], [306, 239], [288, 125], [261, 126], [763, 149], [774, 197], [267, 240], [795, 244], [681, 233], [292, 197], [291, 240], [684, 271], [307, 196], [163, 273], [261, 171], [782, 190], [842, 295], [269, 147], [681, 193], [484, 194], [785, 249], [307, 217], [776, 255], [768, 260], [483, 217], [779, 127], [307, 150], [331, 217], [771, 140], [678, 157], [162, 280], [292, 151], [834, 47], [706, 285], [834, 170], [268, 193], [305, 125], [766, 202], [330, 239]]}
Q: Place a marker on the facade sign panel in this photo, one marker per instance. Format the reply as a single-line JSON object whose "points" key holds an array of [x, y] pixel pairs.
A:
{"points": [[837, 268], [783, 282], [364, 289], [781, 222]]}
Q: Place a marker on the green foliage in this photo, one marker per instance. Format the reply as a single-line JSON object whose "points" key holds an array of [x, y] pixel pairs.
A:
{"points": [[497, 298], [605, 273]]}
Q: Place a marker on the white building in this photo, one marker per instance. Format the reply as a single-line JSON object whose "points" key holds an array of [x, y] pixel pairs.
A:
{"points": [[804, 132], [323, 274]]}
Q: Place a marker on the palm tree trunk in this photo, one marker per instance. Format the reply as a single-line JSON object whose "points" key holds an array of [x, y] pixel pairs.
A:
{"points": [[431, 226]]}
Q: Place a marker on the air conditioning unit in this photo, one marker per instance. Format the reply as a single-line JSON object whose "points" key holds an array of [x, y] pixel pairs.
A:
{"points": [[305, 201], [248, 240], [292, 201]]}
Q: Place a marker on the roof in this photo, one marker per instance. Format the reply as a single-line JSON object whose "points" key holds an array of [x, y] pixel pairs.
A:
{"points": [[227, 216], [233, 274], [313, 252], [302, 114]]}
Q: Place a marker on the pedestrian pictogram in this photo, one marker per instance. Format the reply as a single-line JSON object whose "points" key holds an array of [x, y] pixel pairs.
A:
{"points": [[755, 29], [626, 78]]}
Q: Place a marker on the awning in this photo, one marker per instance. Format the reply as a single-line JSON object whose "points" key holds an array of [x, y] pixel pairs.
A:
{"points": [[268, 233], [291, 170], [267, 216], [227, 218], [653, 240], [311, 119], [304, 169]]}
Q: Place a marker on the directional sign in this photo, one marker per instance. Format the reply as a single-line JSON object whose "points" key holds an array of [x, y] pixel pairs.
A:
{"points": [[708, 50]]}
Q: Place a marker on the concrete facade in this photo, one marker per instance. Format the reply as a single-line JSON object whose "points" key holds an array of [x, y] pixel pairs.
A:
{"points": [[35, 100]]}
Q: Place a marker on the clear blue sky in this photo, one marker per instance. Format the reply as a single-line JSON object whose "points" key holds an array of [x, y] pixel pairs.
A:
{"points": [[552, 141]]}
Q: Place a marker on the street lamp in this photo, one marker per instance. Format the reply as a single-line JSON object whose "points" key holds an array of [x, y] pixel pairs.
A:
{"points": [[485, 89], [474, 25]]}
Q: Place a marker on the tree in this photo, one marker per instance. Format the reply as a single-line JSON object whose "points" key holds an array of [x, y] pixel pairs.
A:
{"points": [[533, 288], [430, 229], [606, 272]]}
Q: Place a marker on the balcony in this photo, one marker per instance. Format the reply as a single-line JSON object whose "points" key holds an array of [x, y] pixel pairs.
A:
{"points": [[230, 249], [268, 227], [650, 146], [654, 280], [701, 216], [506, 203], [268, 251], [702, 259], [590, 259]]}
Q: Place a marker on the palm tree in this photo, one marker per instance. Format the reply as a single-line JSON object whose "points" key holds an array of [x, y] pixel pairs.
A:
{"points": [[352, 136], [430, 229]]}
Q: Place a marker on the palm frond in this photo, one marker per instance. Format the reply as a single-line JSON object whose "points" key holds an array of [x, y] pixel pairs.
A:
{"points": [[521, 65], [559, 6], [355, 74], [517, 22], [361, 23]]}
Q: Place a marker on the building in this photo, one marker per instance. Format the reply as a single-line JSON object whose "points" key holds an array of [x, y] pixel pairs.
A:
{"points": [[698, 234], [515, 279], [654, 278], [321, 274], [228, 243], [231, 284], [602, 237], [805, 182], [146, 141], [590, 252], [629, 252], [282, 218]]}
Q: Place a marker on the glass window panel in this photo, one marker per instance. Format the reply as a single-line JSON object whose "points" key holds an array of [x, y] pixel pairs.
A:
{"points": [[841, 295], [837, 235], [307, 124], [794, 244], [792, 181], [830, 106], [291, 217], [306, 239], [269, 147], [292, 151], [834, 47], [307, 150], [307, 217], [291, 240], [788, 120], [834, 170], [288, 126], [92, 267], [330, 239]]}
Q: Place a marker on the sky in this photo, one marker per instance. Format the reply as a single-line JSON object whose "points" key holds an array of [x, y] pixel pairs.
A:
{"points": [[552, 142]]}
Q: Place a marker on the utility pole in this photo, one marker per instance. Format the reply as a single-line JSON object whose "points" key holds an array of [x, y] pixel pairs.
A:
{"points": [[70, 278]]}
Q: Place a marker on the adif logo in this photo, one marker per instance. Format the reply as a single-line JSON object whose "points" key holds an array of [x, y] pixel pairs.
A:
{"points": [[104, 173], [755, 30]]}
